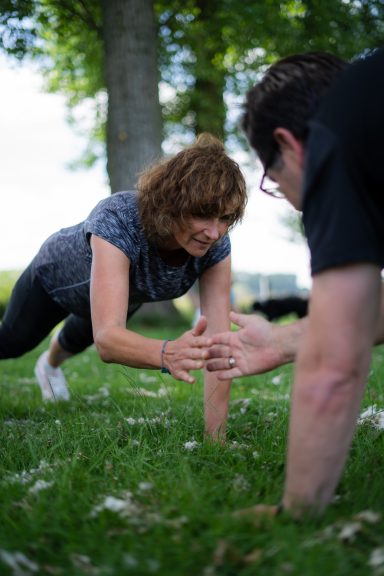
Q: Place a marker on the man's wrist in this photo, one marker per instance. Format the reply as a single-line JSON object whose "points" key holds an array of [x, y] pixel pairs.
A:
{"points": [[290, 337]]}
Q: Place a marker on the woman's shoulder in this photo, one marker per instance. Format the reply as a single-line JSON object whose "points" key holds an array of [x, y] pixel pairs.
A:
{"points": [[116, 220], [126, 199], [119, 204]]}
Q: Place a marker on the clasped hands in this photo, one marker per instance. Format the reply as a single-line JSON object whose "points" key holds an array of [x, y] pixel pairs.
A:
{"points": [[252, 349]]}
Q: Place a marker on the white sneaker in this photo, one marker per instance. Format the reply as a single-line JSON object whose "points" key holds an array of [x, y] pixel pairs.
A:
{"points": [[51, 380]]}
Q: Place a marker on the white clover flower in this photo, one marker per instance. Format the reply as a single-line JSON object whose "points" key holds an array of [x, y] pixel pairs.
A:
{"points": [[130, 421], [145, 486], [146, 378], [374, 416], [240, 483], [102, 392], [26, 476], [162, 418], [130, 561], [191, 445], [349, 531], [277, 380], [40, 485], [235, 445], [369, 516], [244, 404], [376, 558], [19, 563], [121, 506]]}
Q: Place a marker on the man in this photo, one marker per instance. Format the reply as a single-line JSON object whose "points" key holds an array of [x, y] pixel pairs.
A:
{"points": [[317, 126]]}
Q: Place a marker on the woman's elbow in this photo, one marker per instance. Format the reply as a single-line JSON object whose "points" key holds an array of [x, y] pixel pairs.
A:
{"points": [[103, 347]]}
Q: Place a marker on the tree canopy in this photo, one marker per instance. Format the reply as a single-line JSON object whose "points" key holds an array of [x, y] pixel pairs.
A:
{"points": [[208, 51]]}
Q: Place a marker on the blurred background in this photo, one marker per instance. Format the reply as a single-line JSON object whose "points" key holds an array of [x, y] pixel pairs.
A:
{"points": [[93, 91]]}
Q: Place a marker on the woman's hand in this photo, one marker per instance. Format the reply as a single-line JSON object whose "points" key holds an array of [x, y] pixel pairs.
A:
{"points": [[187, 352]]}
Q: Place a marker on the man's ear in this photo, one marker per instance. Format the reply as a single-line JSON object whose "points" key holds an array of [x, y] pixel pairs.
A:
{"points": [[289, 144]]}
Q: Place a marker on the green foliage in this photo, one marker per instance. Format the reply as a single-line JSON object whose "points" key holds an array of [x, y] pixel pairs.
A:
{"points": [[210, 51], [125, 434], [209, 48], [7, 281], [18, 34]]}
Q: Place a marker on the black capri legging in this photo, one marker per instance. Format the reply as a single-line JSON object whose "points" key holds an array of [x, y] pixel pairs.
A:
{"points": [[32, 314]]}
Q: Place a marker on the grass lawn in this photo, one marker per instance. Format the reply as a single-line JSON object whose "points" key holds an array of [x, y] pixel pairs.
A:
{"points": [[119, 480]]}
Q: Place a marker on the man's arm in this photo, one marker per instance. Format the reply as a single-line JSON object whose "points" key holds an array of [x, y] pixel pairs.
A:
{"points": [[259, 346], [331, 372]]}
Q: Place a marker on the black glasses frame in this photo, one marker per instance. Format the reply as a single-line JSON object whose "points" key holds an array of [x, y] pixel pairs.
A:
{"points": [[274, 192]]}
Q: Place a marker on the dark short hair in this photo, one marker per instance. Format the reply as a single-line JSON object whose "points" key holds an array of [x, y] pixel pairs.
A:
{"points": [[201, 180], [288, 96]]}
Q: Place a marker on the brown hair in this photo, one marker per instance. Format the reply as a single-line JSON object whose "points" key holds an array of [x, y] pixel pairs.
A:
{"points": [[288, 96], [200, 181]]}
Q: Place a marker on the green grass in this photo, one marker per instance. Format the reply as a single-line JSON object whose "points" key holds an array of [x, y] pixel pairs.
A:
{"points": [[114, 440], [7, 281]]}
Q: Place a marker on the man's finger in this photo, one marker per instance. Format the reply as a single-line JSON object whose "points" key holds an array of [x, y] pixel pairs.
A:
{"points": [[218, 351], [240, 320], [221, 369]]}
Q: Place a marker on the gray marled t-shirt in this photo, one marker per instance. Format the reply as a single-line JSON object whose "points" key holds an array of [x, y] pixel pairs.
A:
{"points": [[63, 263]]}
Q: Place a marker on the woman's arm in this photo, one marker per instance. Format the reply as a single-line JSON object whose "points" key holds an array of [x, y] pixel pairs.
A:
{"points": [[215, 285], [109, 307]]}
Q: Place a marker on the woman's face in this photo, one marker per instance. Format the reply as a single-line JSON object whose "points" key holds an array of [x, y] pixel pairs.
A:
{"points": [[196, 235]]}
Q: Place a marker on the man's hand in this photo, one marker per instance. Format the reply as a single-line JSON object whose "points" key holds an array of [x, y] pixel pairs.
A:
{"points": [[257, 347]]}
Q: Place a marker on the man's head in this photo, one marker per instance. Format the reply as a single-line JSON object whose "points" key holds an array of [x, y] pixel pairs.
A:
{"points": [[277, 111]]}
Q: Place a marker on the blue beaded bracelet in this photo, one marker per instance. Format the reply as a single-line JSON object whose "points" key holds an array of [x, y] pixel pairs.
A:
{"points": [[164, 370]]}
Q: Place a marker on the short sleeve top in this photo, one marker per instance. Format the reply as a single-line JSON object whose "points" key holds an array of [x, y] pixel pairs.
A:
{"points": [[63, 263]]}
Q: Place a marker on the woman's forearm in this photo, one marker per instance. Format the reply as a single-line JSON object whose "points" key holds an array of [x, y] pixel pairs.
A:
{"points": [[216, 405], [121, 346]]}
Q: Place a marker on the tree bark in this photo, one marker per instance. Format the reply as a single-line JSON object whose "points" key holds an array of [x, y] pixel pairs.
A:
{"points": [[134, 129], [207, 101]]}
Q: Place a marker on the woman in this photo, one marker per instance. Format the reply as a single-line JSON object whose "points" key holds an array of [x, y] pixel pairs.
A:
{"points": [[135, 247]]}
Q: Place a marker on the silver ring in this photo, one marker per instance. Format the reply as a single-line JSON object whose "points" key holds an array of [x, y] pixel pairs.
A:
{"points": [[231, 362]]}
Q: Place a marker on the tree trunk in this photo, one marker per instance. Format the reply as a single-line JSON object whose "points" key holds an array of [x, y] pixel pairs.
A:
{"points": [[207, 101], [134, 130]]}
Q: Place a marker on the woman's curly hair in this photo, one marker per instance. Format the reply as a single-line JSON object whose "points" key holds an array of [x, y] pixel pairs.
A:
{"points": [[199, 181]]}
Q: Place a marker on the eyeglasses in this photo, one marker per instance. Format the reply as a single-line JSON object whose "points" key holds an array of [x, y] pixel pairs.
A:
{"points": [[267, 185]]}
